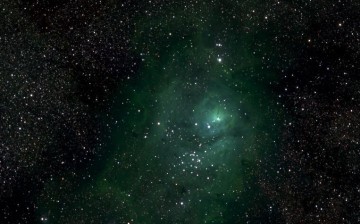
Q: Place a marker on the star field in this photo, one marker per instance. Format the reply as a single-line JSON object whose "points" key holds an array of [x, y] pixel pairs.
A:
{"points": [[179, 111]]}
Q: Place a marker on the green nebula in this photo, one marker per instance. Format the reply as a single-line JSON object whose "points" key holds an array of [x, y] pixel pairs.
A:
{"points": [[196, 139], [191, 130]]}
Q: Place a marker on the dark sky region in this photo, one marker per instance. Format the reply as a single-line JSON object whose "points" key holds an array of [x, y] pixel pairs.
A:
{"points": [[189, 111]]}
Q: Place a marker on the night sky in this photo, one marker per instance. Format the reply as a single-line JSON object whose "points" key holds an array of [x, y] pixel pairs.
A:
{"points": [[188, 111]]}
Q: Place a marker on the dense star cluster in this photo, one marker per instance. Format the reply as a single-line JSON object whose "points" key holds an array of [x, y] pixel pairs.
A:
{"points": [[206, 111]]}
